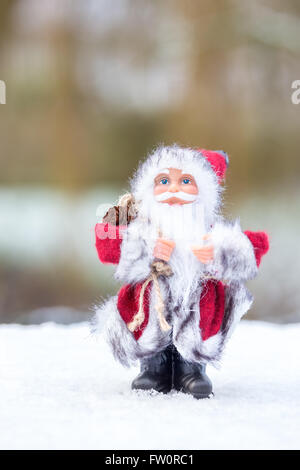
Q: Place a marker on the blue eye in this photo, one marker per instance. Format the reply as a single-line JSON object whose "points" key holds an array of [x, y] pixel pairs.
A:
{"points": [[164, 181], [186, 181]]}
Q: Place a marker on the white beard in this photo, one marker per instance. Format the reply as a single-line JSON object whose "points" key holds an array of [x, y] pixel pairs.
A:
{"points": [[185, 225]]}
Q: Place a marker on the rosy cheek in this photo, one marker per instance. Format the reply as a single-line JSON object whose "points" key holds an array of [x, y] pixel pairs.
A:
{"points": [[160, 188], [190, 188]]}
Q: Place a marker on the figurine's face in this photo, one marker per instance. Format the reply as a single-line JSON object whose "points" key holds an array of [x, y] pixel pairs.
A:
{"points": [[172, 186]]}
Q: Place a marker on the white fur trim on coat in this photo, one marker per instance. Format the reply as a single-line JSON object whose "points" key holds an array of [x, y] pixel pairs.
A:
{"points": [[136, 257], [185, 333], [122, 342], [234, 258]]}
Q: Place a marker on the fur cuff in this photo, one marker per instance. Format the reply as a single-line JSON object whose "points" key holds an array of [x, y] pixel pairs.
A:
{"points": [[234, 258], [134, 264]]}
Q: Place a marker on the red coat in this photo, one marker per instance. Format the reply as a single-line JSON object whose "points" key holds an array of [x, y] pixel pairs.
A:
{"points": [[212, 301]]}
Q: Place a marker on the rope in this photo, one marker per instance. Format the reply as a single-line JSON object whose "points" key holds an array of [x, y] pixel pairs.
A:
{"points": [[158, 268], [139, 318]]}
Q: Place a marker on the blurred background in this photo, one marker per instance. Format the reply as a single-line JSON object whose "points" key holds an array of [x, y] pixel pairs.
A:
{"points": [[92, 86]]}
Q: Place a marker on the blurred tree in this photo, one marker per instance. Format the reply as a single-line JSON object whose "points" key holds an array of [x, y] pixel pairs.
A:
{"points": [[67, 133], [5, 18], [92, 88]]}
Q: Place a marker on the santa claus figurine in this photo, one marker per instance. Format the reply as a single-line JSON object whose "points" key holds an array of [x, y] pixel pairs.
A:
{"points": [[183, 269]]}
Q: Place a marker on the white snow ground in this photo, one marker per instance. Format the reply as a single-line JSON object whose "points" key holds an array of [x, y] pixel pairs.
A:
{"points": [[61, 389]]}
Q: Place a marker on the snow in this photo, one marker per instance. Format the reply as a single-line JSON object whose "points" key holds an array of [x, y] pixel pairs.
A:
{"points": [[61, 389]]}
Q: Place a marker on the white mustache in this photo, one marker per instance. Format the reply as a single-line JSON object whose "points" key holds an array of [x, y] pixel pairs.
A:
{"points": [[179, 194]]}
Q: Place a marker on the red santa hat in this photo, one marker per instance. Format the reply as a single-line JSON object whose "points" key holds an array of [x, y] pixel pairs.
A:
{"points": [[218, 160]]}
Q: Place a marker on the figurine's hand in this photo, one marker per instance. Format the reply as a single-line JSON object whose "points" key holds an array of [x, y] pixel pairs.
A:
{"points": [[163, 249], [205, 254]]}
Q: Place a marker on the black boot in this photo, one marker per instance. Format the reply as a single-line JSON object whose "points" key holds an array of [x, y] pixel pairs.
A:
{"points": [[190, 377], [156, 373]]}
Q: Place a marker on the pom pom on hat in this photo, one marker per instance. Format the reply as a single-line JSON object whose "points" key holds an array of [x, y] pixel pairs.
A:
{"points": [[218, 160]]}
